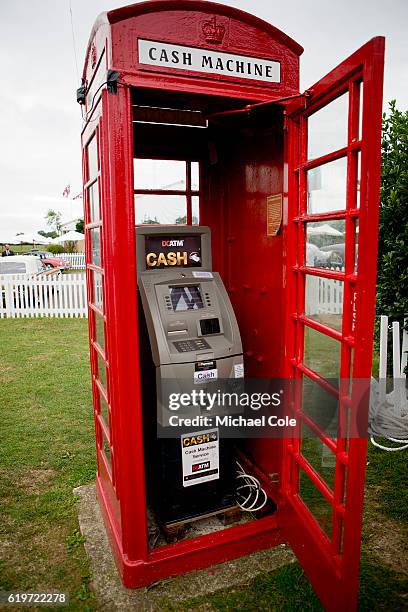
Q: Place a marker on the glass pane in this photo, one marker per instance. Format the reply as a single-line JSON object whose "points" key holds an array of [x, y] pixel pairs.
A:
{"points": [[96, 246], [98, 290], [356, 247], [102, 370], [325, 244], [99, 77], [321, 406], [94, 212], [322, 354], [320, 457], [324, 300], [316, 502], [351, 369], [195, 176], [159, 174], [195, 210], [14, 267], [160, 209], [328, 128], [100, 331], [92, 158], [326, 187], [360, 112], [104, 410], [107, 451], [358, 200]]}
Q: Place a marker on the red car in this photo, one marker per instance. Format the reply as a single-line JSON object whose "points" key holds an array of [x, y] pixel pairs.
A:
{"points": [[54, 262], [49, 260]]}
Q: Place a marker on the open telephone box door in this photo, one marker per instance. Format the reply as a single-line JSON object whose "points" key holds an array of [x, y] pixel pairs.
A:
{"points": [[323, 506], [321, 153]]}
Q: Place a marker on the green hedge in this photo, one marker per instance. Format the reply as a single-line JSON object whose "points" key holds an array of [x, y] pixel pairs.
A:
{"points": [[55, 248], [392, 280]]}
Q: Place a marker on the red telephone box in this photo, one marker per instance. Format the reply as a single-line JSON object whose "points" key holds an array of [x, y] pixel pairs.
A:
{"points": [[211, 85]]}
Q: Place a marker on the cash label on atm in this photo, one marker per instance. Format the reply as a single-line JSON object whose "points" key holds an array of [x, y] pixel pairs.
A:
{"points": [[165, 251], [205, 371]]}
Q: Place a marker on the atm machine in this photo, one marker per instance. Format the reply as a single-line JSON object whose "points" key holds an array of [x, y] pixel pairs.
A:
{"points": [[190, 337]]}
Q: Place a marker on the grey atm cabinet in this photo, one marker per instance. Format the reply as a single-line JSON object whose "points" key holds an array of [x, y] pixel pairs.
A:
{"points": [[191, 325], [193, 339]]}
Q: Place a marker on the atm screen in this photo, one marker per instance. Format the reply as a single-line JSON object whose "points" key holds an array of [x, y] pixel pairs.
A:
{"points": [[186, 298]]}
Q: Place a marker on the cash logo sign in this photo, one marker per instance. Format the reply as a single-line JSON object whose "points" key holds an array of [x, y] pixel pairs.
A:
{"points": [[199, 467]]}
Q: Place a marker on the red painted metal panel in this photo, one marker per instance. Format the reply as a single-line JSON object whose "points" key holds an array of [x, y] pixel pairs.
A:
{"points": [[182, 22], [121, 306], [332, 563]]}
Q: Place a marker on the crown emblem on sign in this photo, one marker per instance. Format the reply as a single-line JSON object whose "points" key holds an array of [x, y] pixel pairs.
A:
{"points": [[213, 33]]}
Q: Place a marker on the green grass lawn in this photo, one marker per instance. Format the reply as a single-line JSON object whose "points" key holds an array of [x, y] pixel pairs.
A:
{"points": [[47, 449], [25, 248]]}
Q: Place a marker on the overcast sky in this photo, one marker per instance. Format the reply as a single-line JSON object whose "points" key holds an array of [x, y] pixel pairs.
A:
{"points": [[40, 121]]}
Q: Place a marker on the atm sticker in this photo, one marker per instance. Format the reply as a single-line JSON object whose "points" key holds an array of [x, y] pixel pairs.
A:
{"points": [[200, 457], [205, 371], [239, 370], [201, 274]]}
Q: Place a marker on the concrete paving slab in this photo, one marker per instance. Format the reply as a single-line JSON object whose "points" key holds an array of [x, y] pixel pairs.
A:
{"points": [[168, 593]]}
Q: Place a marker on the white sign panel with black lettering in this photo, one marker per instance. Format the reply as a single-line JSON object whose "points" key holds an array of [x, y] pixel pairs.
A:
{"points": [[181, 57], [201, 457]]}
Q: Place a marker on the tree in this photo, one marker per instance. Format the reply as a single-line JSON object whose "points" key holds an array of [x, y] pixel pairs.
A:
{"points": [[183, 220], [392, 282], [52, 234], [148, 221], [53, 219], [80, 226]]}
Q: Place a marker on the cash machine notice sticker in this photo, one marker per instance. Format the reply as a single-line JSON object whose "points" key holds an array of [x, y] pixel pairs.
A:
{"points": [[200, 457], [204, 371]]}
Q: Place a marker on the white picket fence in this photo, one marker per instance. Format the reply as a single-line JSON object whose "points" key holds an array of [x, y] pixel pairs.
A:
{"points": [[62, 295], [323, 296], [76, 261]]}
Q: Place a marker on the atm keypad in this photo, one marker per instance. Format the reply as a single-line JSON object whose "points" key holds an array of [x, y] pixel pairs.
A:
{"points": [[188, 346]]}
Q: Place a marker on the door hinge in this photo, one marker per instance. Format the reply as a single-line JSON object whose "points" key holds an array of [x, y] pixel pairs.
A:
{"points": [[112, 79]]}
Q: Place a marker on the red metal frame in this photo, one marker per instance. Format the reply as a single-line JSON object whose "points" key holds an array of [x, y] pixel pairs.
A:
{"points": [[333, 562], [121, 478]]}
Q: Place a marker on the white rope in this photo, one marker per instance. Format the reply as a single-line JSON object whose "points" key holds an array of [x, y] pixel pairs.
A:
{"points": [[386, 422], [248, 494]]}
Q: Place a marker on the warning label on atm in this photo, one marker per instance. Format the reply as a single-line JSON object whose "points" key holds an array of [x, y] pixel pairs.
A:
{"points": [[200, 457]]}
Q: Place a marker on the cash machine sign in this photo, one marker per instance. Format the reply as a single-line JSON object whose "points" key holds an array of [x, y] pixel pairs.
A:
{"points": [[173, 251], [200, 457]]}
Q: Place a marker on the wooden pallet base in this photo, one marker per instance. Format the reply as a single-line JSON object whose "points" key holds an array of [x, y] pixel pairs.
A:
{"points": [[175, 531]]}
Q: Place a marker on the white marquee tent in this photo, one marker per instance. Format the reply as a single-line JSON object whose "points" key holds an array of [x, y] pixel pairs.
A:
{"points": [[71, 236]]}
